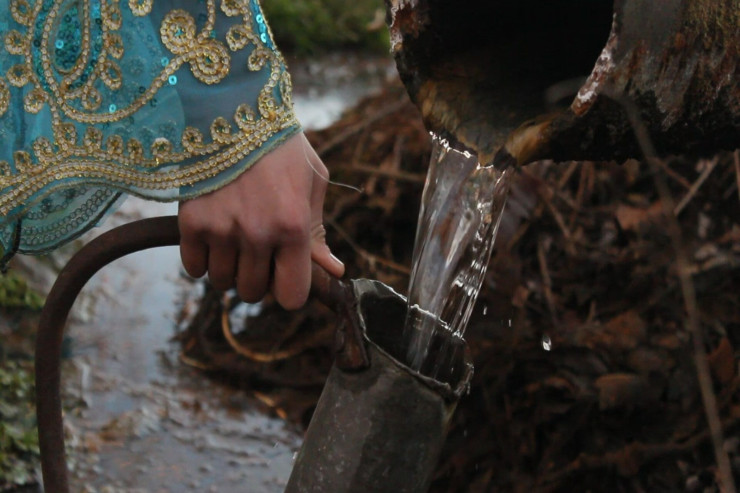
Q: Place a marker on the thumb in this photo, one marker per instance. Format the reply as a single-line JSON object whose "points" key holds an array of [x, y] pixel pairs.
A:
{"points": [[321, 253]]}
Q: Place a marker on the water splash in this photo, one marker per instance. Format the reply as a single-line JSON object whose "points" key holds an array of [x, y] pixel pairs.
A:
{"points": [[462, 206]]}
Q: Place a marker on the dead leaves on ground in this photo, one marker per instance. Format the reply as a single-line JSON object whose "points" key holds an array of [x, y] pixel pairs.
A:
{"points": [[615, 401], [584, 259]]}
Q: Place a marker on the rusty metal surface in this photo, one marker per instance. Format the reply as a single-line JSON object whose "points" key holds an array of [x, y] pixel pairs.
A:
{"points": [[114, 244], [350, 351], [479, 72], [98, 253], [382, 429]]}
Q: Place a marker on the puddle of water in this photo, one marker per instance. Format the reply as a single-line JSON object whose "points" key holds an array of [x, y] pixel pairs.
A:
{"points": [[462, 206], [147, 423]]}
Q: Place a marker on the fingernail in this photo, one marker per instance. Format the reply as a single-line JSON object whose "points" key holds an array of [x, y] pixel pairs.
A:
{"points": [[336, 259]]}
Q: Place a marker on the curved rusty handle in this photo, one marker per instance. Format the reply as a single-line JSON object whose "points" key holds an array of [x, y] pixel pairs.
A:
{"points": [[114, 244]]}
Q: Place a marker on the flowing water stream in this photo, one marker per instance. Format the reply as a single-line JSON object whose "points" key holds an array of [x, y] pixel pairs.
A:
{"points": [[462, 205]]}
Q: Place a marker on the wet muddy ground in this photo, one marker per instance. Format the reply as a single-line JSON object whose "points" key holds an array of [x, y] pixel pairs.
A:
{"points": [[138, 419]]}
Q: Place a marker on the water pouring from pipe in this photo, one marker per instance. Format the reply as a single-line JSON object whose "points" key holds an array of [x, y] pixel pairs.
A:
{"points": [[462, 206]]}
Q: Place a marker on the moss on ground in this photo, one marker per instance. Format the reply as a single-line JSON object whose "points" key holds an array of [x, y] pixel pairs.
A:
{"points": [[314, 26], [19, 449], [19, 444], [15, 293]]}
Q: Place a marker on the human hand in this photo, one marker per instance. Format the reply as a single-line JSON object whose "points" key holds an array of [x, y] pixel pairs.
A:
{"points": [[262, 230]]}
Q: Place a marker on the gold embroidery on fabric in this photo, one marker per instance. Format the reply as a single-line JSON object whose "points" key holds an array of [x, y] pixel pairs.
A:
{"points": [[140, 8], [135, 150], [18, 75], [114, 145], [15, 43], [34, 101], [161, 147], [42, 148], [4, 97], [22, 12], [231, 8], [237, 37], [93, 140], [22, 161], [192, 140], [178, 32], [209, 59], [75, 97]]}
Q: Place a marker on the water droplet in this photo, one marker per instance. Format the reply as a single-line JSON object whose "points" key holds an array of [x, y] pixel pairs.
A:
{"points": [[546, 343], [485, 310], [509, 322]]}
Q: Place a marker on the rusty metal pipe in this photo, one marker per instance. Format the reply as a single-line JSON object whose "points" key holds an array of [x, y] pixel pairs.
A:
{"points": [[381, 429], [103, 250], [114, 244], [488, 74]]}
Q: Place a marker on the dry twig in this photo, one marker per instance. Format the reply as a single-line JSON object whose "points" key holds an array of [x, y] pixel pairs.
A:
{"points": [[630, 457], [546, 280], [708, 168], [399, 175], [370, 258], [354, 129], [727, 482], [737, 172], [303, 344]]}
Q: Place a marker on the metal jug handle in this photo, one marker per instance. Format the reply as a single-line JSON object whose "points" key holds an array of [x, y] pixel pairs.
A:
{"points": [[114, 244]]}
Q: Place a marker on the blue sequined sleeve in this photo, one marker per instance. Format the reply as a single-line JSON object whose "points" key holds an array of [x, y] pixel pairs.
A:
{"points": [[163, 99]]}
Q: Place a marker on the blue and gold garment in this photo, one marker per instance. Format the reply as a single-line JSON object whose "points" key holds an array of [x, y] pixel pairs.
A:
{"points": [[163, 99]]}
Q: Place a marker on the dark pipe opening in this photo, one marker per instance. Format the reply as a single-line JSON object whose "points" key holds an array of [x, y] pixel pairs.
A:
{"points": [[529, 45], [383, 312], [493, 60]]}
